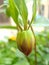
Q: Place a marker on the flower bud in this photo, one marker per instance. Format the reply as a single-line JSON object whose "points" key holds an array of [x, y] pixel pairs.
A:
{"points": [[25, 41]]}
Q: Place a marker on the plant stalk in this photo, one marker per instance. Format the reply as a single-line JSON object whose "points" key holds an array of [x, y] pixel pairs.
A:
{"points": [[8, 27], [11, 27], [20, 27], [34, 13], [34, 47], [25, 26]]}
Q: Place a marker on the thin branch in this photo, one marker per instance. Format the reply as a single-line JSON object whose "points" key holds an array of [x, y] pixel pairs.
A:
{"points": [[20, 27], [34, 13], [34, 47], [8, 27]]}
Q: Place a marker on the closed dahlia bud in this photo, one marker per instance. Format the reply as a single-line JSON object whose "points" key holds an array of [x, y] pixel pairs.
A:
{"points": [[25, 41]]}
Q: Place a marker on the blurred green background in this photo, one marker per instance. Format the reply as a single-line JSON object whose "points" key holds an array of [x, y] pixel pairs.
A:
{"points": [[10, 55]]}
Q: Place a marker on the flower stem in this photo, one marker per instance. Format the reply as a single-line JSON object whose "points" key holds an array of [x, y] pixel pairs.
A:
{"points": [[34, 47], [34, 13], [35, 44], [20, 27], [8, 27]]}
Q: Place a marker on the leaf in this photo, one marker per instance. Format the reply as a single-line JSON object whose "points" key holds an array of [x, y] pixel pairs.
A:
{"points": [[13, 11], [46, 57], [7, 61], [21, 22], [22, 62], [7, 11], [22, 9]]}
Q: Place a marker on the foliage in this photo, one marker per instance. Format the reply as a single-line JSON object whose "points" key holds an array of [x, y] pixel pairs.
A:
{"points": [[18, 11], [10, 55]]}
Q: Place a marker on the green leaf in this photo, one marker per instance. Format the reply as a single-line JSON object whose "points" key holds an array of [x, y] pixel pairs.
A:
{"points": [[34, 10], [7, 11], [20, 22], [13, 11], [22, 10]]}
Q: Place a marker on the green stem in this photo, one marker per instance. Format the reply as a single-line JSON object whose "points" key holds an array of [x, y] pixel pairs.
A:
{"points": [[11, 27], [25, 26], [20, 27], [34, 47], [8, 27], [34, 13], [39, 5], [35, 44]]}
